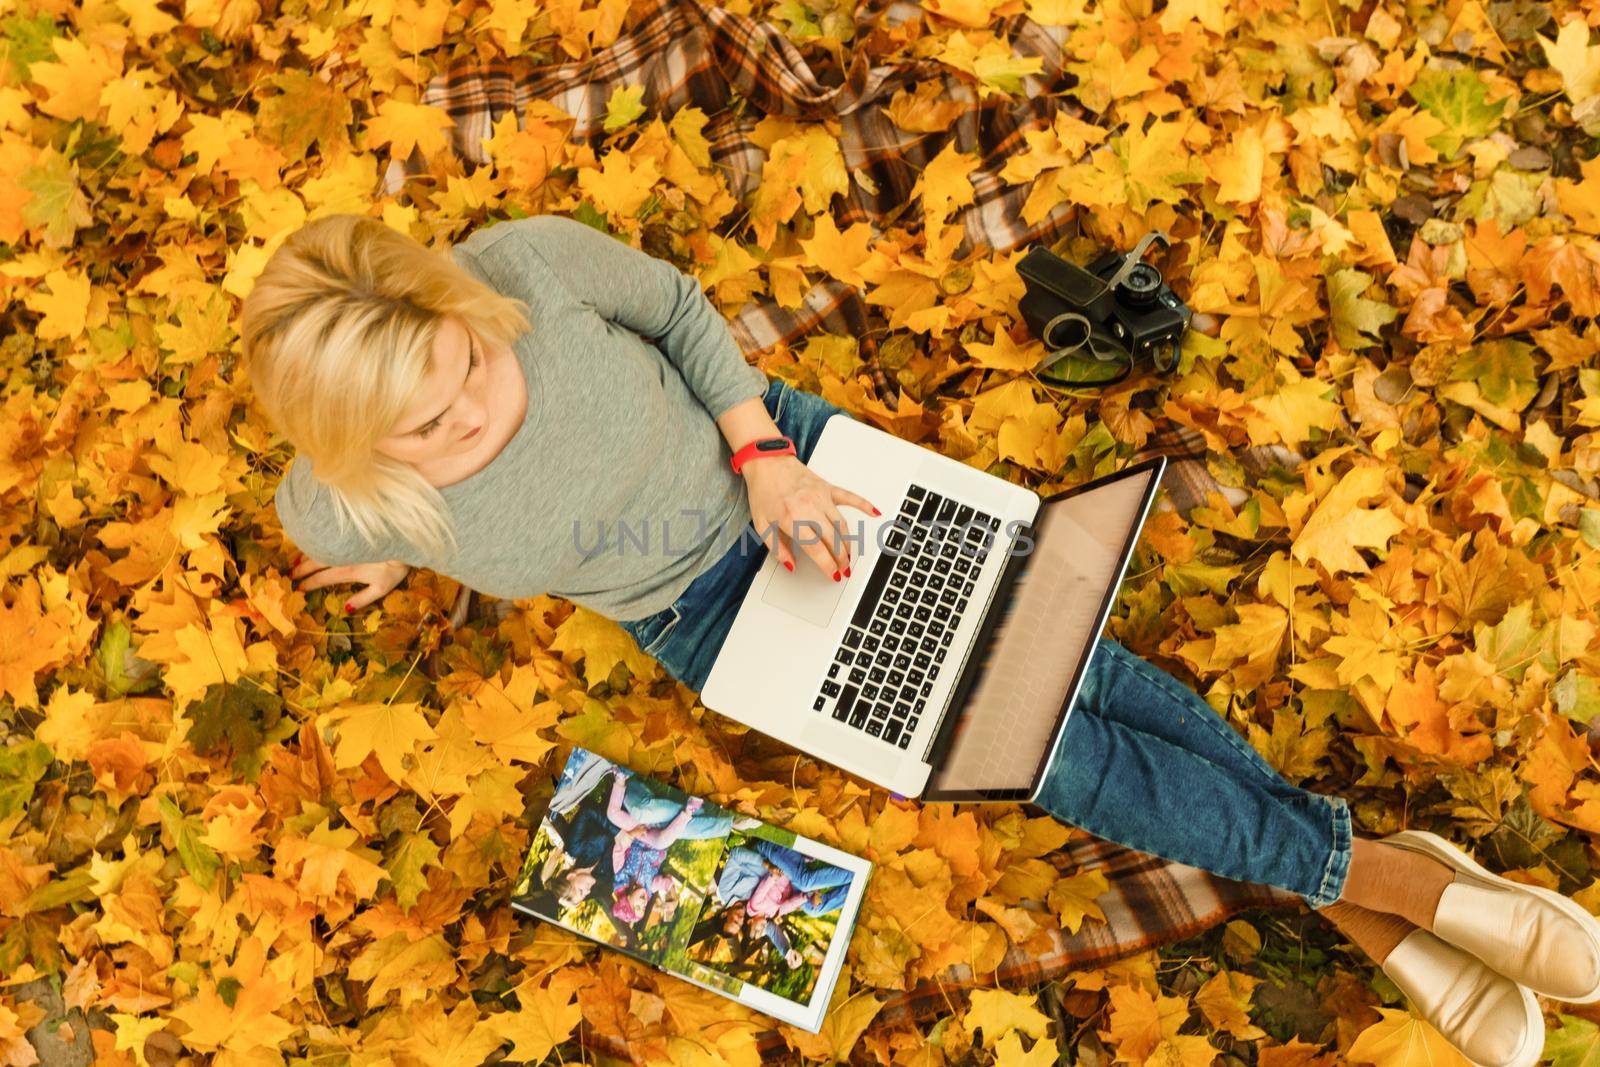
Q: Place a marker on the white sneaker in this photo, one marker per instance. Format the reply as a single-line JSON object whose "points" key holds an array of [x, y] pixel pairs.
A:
{"points": [[1491, 1019], [1534, 936]]}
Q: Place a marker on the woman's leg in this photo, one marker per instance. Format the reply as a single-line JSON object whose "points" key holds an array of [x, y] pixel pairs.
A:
{"points": [[1135, 692], [806, 876], [653, 809], [1249, 812], [1146, 763], [578, 780]]}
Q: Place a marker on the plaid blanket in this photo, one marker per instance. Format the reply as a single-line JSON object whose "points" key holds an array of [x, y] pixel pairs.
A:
{"points": [[687, 54]]}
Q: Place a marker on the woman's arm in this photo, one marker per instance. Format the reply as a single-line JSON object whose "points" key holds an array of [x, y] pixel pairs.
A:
{"points": [[333, 554], [747, 421], [652, 298]]}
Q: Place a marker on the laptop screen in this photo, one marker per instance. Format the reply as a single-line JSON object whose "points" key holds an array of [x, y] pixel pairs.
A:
{"points": [[1048, 623]]}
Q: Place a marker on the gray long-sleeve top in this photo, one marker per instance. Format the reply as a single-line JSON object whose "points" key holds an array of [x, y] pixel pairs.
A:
{"points": [[617, 430]]}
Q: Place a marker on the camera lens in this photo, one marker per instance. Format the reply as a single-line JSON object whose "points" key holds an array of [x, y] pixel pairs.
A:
{"points": [[1141, 285]]}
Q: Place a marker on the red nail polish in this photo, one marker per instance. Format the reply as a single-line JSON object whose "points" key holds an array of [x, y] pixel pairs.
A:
{"points": [[788, 564], [836, 576], [847, 572], [875, 511], [348, 608]]}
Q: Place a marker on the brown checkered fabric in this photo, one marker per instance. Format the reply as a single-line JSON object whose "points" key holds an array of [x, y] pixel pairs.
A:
{"points": [[687, 54]]}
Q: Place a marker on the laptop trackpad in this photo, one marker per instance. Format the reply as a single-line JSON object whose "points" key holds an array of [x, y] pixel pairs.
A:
{"points": [[807, 594]]}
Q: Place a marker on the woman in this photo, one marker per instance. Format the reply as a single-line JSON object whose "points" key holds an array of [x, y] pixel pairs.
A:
{"points": [[588, 840], [496, 415], [559, 884]]}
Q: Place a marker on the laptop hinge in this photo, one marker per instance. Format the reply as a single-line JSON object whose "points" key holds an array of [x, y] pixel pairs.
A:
{"points": [[972, 667]]}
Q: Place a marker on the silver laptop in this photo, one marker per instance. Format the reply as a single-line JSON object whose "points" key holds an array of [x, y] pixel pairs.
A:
{"points": [[946, 665]]}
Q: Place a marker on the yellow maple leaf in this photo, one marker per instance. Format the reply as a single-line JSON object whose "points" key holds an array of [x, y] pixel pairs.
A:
{"points": [[1340, 525], [191, 467], [943, 184], [246, 1019], [1575, 59], [1140, 1021], [72, 722], [505, 716], [326, 862], [64, 305], [405, 127], [456, 1038], [1400, 1039], [990, 60], [619, 187], [391, 730], [1073, 898], [625, 104], [492, 793], [206, 655], [1290, 414], [601, 643], [1255, 640], [446, 766], [546, 1019], [847, 1018], [803, 169], [509, 23], [974, 13], [841, 254], [133, 1031], [1108, 75], [997, 1012], [72, 84], [1008, 1052], [1225, 1002]]}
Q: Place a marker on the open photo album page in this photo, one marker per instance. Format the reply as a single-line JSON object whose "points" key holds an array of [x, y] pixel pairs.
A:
{"points": [[723, 900]]}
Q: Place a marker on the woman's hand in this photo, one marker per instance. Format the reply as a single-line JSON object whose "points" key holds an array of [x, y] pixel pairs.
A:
{"points": [[376, 579], [803, 507]]}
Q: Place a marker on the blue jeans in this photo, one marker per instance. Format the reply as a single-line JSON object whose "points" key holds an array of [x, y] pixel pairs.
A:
{"points": [[1144, 761], [810, 877]]}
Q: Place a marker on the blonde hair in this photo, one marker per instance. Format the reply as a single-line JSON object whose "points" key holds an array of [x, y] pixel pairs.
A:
{"points": [[338, 336]]}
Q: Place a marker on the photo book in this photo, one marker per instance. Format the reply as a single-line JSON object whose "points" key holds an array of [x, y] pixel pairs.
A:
{"points": [[723, 900]]}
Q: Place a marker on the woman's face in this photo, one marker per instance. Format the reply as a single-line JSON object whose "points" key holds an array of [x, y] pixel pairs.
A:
{"points": [[579, 884], [454, 410]]}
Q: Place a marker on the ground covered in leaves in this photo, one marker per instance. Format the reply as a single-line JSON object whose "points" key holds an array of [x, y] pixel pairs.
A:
{"points": [[235, 823]]}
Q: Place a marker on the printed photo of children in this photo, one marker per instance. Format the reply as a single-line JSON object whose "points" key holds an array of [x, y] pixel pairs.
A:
{"points": [[772, 914], [622, 858]]}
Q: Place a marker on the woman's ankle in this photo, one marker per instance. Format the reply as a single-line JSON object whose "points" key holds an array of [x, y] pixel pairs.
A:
{"points": [[1374, 932], [1395, 881]]}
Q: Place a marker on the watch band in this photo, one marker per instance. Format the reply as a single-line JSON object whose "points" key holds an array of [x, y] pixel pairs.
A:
{"points": [[766, 446]]}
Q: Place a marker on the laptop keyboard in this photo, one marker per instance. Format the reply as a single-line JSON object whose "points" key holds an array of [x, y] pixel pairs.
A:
{"points": [[895, 646]]}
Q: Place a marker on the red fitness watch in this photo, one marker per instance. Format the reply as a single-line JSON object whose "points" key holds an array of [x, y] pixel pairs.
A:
{"points": [[767, 446]]}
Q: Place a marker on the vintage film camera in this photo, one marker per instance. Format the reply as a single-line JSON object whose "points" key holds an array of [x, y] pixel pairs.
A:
{"points": [[1118, 309]]}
